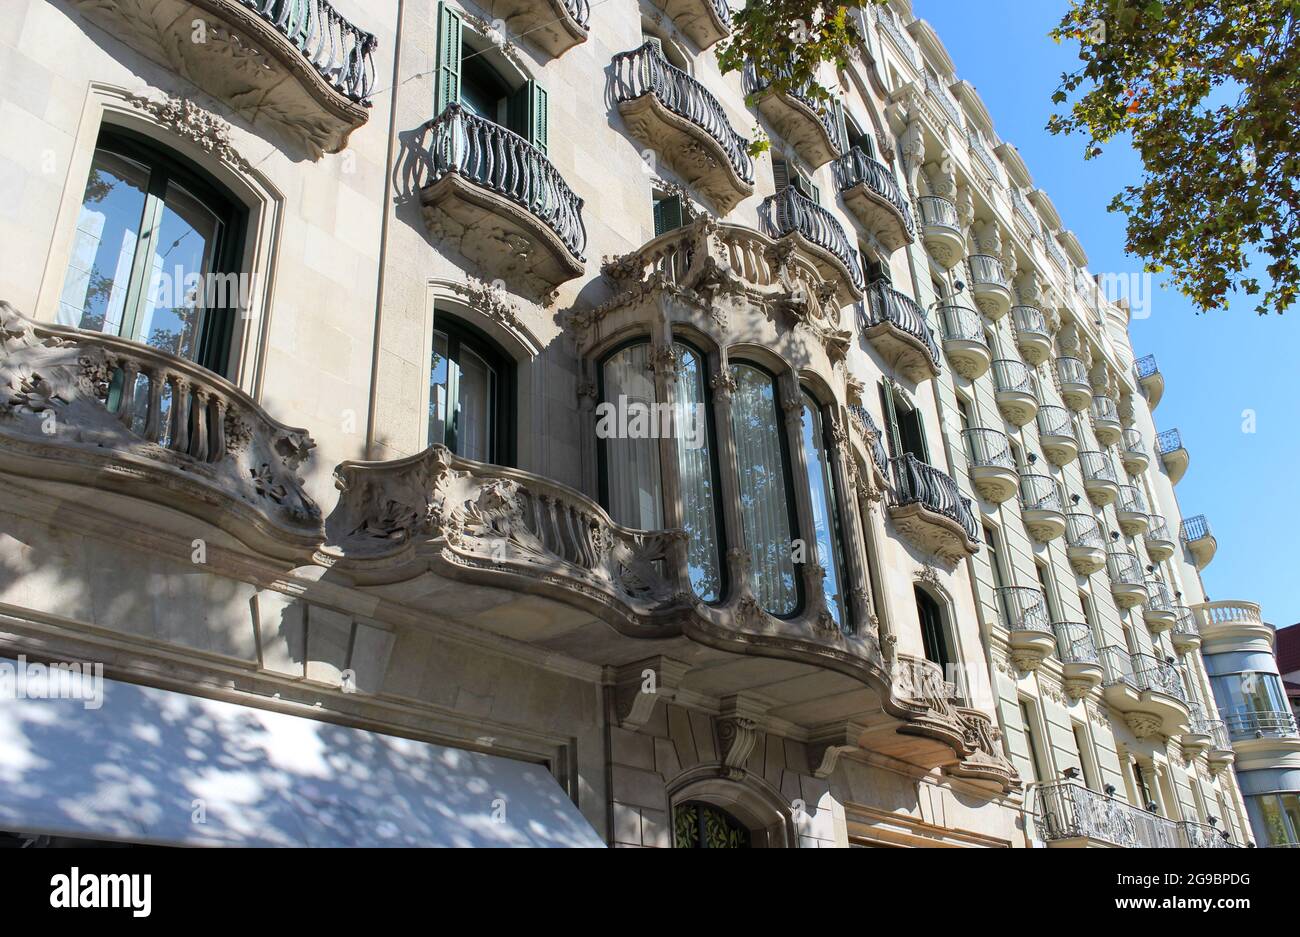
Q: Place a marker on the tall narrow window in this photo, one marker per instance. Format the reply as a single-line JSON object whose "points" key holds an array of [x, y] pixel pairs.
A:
{"points": [[905, 430], [1049, 593], [1087, 761], [470, 384], [156, 253], [697, 469], [818, 449], [1034, 743], [766, 507], [633, 483], [934, 639]]}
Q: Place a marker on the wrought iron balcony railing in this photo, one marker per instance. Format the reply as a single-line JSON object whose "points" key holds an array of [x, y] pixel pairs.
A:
{"points": [[1186, 623], [856, 168], [1029, 320], [1054, 252], [1124, 568], [878, 453], [962, 324], [1083, 530], [788, 211], [339, 51], [983, 155], [1067, 810], [915, 482], [1158, 529], [1145, 366], [1195, 528], [503, 162], [752, 85], [1055, 421], [1158, 596], [886, 304], [1132, 441], [1131, 500], [1074, 643], [1011, 376], [936, 210], [989, 447], [1143, 672], [645, 70], [1040, 493], [1097, 466], [1246, 723], [1071, 371], [987, 269], [940, 94], [1103, 408], [1169, 441], [1024, 609]]}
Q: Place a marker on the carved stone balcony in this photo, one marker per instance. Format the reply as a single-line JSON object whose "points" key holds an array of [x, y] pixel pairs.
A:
{"points": [[1172, 453], [787, 214], [1105, 420], [992, 467], [555, 26], [1232, 622], [1032, 337], [1099, 478], [898, 329], [941, 230], [1041, 507], [1072, 378], [497, 199], [990, 285], [1159, 541], [927, 507], [1014, 390], [704, 21], [91, 409], [1029, 627], [1085, 545], [1198, 539], [806, 123], [1126, 582], [871, 192], [1056, 435], [1080, 665], [1159, 612], [1186, 635], [1148, 692], [964, 342], [1150, 379], [669, 110], [296, 66], [1133, 452], [1131, 511]]}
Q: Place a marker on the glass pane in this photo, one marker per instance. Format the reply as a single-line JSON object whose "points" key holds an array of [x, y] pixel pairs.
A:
{"points": [[99, 273], [171, 316], [695, 465], [627, 424], [764, 501], [438, 391], [826, 521], [474, 406], [1291, 809]]}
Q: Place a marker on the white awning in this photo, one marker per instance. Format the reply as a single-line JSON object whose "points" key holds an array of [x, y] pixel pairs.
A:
{"points": [[153, 766]]}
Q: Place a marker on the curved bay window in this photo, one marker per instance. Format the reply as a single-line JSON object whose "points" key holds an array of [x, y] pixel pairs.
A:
{"points": [[818, 451], [471, 384], [766, 508], [157, 252], [632, 424], [698, 825]]}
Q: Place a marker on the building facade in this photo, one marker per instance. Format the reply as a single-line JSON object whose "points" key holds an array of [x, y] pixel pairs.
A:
{"points": [[444, 390]]}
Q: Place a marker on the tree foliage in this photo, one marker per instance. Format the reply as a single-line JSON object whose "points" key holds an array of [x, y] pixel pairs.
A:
{"points": [[1207, 90]]}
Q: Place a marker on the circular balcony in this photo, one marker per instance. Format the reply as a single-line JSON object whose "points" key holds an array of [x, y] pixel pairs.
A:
{"points": [[941, 230], [992, 467], [990, 286], [1099, 477], [1015, 393], [705, 21], [809, 125], [1152, 381], [1131, 511], [1159, 541], [1085, 545], [1159, 612], [871, 192], [897, 327], [1172, 453], [1080, 665], [1199, 540], [1105, 420], [1076, 389], [1232, 622], [1025, 617], [1056, 435], [1133, 452], [963, 341], [1041, 507], [1185, 635], [1032, 337], [1126, 583]]}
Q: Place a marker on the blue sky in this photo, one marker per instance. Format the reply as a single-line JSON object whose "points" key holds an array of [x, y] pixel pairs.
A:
{"points": [[1216, 366]]}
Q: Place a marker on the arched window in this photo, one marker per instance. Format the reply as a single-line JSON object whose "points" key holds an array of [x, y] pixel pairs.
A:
{"points": [[471, 386], [934, 636], [766, 508], [157, 252], [699, 825], [818, 449], [631, 423]]}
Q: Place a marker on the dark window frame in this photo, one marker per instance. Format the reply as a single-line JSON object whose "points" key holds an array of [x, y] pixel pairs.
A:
{"points": [[501, 406]]}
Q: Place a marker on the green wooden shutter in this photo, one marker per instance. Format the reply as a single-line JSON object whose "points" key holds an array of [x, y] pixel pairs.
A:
{"points": [[780, 173], [541, 117], [840, 126], [527, 114], [668, 214], [447, 90], [894, 438]]}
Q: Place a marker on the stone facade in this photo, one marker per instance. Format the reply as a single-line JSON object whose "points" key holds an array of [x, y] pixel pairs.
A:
{"points": [[357, 571]]}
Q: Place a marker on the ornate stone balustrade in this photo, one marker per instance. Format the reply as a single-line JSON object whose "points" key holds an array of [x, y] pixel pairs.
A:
{"points": [[98, 410], [295, 64]]}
